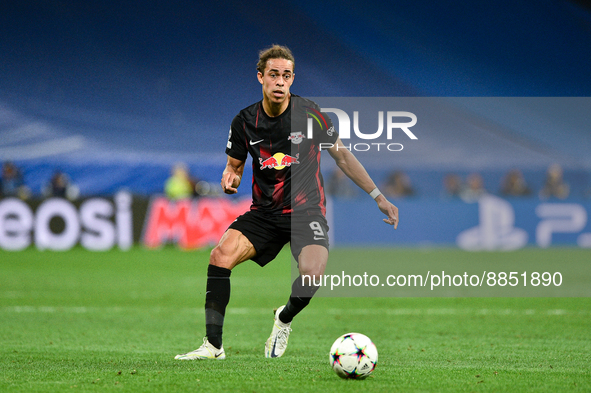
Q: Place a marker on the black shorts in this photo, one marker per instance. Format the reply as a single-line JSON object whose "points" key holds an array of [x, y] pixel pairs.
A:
{"points": [[269, 233]]}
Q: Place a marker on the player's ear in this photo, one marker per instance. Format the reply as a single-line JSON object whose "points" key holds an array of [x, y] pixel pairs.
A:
{"points": [[260, 77]]}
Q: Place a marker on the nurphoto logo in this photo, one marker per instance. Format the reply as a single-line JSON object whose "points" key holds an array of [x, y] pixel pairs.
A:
{"points": [[392, 123]]}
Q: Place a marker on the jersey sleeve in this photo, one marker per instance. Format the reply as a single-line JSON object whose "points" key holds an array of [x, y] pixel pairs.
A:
{"points": [[236, 146], [325, 132]]}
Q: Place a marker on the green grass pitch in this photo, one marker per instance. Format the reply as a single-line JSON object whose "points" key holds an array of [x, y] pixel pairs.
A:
{"points": [[113, 321]]}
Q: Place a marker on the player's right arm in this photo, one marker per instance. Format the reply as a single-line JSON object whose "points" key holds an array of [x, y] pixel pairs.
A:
{"points": [[236, 150], [232, 175]]}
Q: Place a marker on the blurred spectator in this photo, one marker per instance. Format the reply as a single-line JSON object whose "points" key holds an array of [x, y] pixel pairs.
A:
{"points": [[474, 188], [204, 188], [12, 183], [339, 185], [61, 186], [514, 184], [398, 185], [452, 186], [554, 186], [180, 184]]}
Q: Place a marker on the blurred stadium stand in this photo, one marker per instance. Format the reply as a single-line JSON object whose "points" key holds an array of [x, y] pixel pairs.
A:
{"points": [[115, 94]]}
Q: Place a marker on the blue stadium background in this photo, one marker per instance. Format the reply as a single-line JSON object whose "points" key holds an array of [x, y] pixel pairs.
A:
{"points": [[114, 93]]}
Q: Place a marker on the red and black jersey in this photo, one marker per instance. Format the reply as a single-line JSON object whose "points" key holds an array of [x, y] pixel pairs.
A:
{"points": [[285, 160]]}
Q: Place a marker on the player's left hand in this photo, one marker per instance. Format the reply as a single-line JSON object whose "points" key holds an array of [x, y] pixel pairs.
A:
{"points": [[389, 210]]}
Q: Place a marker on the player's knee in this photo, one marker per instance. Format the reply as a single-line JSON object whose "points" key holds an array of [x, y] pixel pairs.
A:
{"points": [[219, 258], [316, 273], [312, 261], [315, 269]]}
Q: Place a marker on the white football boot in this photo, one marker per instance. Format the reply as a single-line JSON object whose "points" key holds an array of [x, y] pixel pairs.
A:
{"points": [[277, 342], [205, 351]]}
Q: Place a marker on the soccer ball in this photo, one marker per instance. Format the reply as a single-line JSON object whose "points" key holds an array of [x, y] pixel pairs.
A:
{"points": [[354, 356]]}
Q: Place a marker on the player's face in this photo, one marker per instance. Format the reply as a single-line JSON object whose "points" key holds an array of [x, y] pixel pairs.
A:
{"points": [[277, 80]]}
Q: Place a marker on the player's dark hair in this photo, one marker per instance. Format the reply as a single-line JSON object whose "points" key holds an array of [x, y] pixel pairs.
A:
{"points": [[274, 52]]}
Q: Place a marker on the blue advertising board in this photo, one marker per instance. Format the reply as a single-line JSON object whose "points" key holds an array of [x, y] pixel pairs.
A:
{"points": [[492, 223]]}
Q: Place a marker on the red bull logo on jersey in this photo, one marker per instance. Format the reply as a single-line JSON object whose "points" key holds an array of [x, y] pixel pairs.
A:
{"points": [[279, 161]]}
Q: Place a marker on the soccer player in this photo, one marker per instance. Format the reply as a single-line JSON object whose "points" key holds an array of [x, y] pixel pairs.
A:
{"points": [[288, 203]]}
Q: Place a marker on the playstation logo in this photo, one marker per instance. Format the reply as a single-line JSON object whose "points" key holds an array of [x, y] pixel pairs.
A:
{"points": [[496, 230]]}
